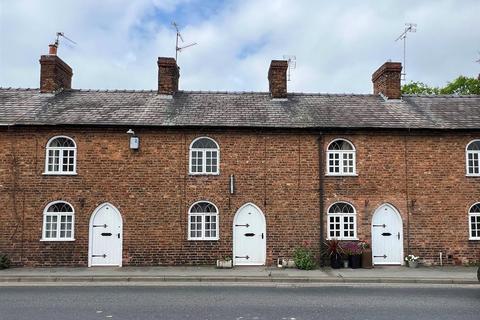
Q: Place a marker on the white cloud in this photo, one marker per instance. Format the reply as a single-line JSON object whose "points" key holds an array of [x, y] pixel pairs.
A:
{"points": [[338, 44]]}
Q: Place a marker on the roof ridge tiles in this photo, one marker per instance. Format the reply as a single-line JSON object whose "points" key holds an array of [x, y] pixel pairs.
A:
{"points": [[442, 95]]}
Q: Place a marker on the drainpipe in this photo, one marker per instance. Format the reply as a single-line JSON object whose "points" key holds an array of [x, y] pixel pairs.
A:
{"points": [[407, 193], [321, 194]]}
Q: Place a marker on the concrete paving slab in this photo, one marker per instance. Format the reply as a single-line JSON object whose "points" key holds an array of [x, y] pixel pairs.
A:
{"points": [[398, 274]]}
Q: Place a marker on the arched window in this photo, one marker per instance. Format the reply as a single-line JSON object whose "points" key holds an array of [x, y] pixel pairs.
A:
{"points": [[61, 156], [342, 221], [203, 221], [58, 221], [473, 158], [341, 158], [204, 156], [474, 221]]}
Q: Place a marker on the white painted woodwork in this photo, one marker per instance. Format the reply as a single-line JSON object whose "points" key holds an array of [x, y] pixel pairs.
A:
{"points": [[387, 249], [105, 241], [249, 241]]}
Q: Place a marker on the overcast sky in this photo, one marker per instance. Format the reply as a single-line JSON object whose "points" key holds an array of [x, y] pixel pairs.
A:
{"points": [[337, 44]]}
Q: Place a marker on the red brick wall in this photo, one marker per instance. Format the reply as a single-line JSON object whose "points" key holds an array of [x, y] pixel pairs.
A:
{"points": [[423, 176], [276, 171], [55, 74]]}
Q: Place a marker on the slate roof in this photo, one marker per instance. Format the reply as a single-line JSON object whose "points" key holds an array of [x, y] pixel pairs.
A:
{"points": [[236, 109]]}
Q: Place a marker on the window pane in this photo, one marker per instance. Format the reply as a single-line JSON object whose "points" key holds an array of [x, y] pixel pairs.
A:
{"points": [[196, 226], [473, 162], [204, 143], [208, 161]]}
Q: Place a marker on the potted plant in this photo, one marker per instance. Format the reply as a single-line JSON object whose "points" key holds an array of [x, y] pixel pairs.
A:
{"points": [[225, 263], [334, 253], [4, 261], [354, 251], [288, 263], [412, 260], [366, 255]]}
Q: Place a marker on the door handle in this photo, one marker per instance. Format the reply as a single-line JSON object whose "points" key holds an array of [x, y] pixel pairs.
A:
{"points": [[398, 235], [118, 235], [262, 235]]}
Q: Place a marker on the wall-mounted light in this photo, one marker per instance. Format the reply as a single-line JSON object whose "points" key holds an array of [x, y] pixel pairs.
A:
{"points": [[134, 140]]}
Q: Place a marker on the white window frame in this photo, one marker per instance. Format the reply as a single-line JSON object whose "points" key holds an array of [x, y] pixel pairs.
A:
{"points": [[342, 216], [203, 215], [341, 154], [473, 153], [470, 215], [204, 162], [61, 158], [59, 216]]}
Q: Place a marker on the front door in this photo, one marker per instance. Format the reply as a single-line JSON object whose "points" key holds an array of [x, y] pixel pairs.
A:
{"points": [[387, 236], [249, 236], [105, 243]]}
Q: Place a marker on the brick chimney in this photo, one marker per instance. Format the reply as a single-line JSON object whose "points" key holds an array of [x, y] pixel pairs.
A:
{"points": [[277, 78], [55, 74], [386, 80], [168, 74]]}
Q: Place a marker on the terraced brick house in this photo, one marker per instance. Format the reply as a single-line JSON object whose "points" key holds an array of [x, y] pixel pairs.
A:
{"points": [[168, 177]]}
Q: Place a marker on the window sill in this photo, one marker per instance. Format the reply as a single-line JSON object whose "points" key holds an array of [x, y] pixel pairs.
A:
{"points": [[203, 174], [341, 175], [56, 240], [59, 173], [472, 175], [344, 239], [208, 239], [474, 239]]}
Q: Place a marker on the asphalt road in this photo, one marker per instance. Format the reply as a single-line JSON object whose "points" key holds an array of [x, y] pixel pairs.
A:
{"points": [[239, 302]]}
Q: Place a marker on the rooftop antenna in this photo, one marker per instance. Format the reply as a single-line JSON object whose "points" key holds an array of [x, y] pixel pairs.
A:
{"points": [[61, 34], [292, 64], [179, 36], [409, 27]]}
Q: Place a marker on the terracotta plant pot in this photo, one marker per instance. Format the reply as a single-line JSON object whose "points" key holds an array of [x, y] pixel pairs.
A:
{"points": [[367, 259]]}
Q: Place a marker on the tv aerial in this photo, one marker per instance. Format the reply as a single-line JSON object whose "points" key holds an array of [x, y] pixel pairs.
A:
{"points": [[409, 27], [179, 36], [61, 34], [292, 64]]}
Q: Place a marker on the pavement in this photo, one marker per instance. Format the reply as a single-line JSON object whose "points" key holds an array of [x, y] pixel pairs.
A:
{"points": [[384, 274]]}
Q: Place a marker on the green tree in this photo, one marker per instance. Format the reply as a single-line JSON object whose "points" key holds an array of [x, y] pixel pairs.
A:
{"points": [[461, 85], [416, 87]]}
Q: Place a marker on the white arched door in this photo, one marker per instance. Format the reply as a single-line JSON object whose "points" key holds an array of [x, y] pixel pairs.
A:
{"points": [[387, 236], [249, 236], [105, 240]]}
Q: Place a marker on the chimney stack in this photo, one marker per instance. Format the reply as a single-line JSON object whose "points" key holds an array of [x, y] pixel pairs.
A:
{"points": [[168, 74], [277, 78], [55, 74], [386, 80]]}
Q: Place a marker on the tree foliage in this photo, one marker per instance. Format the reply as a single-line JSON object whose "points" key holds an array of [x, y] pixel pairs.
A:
{"points": [[461, 86]]}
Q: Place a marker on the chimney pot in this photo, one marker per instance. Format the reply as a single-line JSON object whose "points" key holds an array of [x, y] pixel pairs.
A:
{"points": [[386, 80], [168, 74], [277, 78], [55, 74], [52, 49]]}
